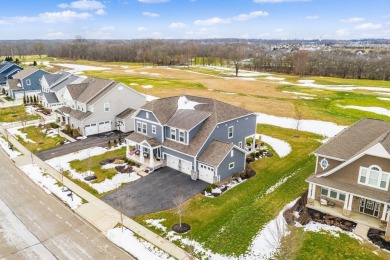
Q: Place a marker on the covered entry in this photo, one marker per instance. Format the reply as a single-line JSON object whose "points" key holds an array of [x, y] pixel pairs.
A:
{"points": [[369, 207]]}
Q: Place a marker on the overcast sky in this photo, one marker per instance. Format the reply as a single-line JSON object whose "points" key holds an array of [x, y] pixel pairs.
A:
{"points": [[195, 19]]}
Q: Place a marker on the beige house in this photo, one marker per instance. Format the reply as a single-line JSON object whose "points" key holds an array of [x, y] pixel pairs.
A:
{"points": [[352, 175]]}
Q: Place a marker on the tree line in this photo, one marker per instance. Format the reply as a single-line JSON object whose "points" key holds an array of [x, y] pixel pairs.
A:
{"points": [[259, 56]]}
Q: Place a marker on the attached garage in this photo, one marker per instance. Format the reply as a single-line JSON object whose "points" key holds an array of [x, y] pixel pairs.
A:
{"points": [[104, 126], [206, 173], [179, 164], [91, 129]]}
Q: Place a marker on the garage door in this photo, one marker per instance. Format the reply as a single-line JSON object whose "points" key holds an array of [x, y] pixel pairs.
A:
{"points": [[104, 126], [179, 164], [206, 173], [91, 129], [19, 95]]}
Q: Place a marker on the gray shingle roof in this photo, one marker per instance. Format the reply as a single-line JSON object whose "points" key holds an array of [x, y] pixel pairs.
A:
{"points": [[24, 73], [216, 152], [356, 138], [51, 97], [125, 113], [103, 92], [51, 78], [75, 90], [138, 138], [13, 84], [78, 115], [187, 119], [94, 87], [64, 82]]}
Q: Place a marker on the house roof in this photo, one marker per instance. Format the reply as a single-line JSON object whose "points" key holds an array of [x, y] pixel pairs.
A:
{"points": [[4, 65], [52, 78], [216, 152], [125, 113], [75, 90], [103, 92], [94, 87], [138, 138], [13, 84], [352, 187], [164, 109], [187, 119], [24, 73], [50, 97], [64, 81], [78, 115], [357, 138]]}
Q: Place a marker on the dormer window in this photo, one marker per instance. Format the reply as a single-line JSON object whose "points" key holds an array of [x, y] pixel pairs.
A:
{"points": [[173, 133], [374, 176], [230, 132], [181, 136]]}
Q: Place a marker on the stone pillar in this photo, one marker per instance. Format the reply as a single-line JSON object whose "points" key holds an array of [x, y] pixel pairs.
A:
{"points": [[151, 157], [385, 208]]}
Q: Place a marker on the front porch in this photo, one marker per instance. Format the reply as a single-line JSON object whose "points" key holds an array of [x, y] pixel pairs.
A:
{"points": [[153, 163]]}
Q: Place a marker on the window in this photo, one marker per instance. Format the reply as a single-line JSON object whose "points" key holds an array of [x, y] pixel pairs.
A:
{"points": [[324, 164], [139, 126], [144, 128], [173, 133], [231, 153], [181, 136], [147, 115], [324, 191], [230, 132], [231, 165], [28, 82], [153, 129], [333, 194], [373, 176], [240, 144], [106, 107], [342, 196]]}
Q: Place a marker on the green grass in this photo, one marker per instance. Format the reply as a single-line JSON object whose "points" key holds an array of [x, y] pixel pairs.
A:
{"points": [[227, 224], [324, 245], [14, 114], [92, 163], [42, 142]]}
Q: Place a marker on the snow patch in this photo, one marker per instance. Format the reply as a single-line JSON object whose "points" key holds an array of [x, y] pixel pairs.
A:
{"points": [[133, 84], [184, 103], [318, 227], [299, 93], [15, 132], [156, 223], [5, 146], [150, 98], [147, 86], [230, 93], [29, 110], [77, 68], [327, 129], [274, 78], [281, 147], [49, 184], [376, 110], [135, 246], [383, 98]]}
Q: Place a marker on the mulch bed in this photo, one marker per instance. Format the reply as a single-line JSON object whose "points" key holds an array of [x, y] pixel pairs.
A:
{"points": [[377, 238], [181, 229], [331, 220]]}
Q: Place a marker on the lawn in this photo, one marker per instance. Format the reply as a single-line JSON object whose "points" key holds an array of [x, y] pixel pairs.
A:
{"points": [[42, 141], [324, 245], [243, 211], [14, 114], [92, 164]]}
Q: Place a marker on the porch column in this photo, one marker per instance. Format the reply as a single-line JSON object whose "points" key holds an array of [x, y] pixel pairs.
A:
{"points": [[311, 194], [347, 209], [385, 208], [151, 157], [141, 154], [350, 202], [254, 143]]}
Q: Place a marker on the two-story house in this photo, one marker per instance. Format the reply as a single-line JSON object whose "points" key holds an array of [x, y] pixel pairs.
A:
{"points": [[99, 105], [353, 173], [7, 70], [53, 88], [198, 136], [26, 82]]}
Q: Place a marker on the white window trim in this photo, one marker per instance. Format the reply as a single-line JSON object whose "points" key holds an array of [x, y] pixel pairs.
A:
{"points": [[146, 128], [368, 177], [231, 165], [230, 127], [147, 115], [106, 105], [184, 136], [170, 133], [240, 144], [232, 153], [139, 127], [337, 193], [153, 129], [28, 82]]}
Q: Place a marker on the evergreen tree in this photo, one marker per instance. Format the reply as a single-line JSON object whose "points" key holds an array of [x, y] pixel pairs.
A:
{"points": [[24, 100], [35, 99], [35, 63]]}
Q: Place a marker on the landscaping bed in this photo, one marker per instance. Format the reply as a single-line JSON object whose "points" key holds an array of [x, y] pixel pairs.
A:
{"points": [[377, 237]]}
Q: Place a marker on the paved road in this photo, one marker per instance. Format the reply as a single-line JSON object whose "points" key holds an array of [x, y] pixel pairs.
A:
{"points": [[96, 140], [154, 192], [35, 225]]}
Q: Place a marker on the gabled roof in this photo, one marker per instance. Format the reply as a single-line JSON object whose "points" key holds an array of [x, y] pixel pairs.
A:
{"points": [[216, 152], [139, 138], [103, 92], [164, 109], [356, 138], [51, 78], [187, 119], [125, 113], [63, 82], [75, 90], [78, 115], [13, 84], [4, 65], [25, 73], [50, 97], [94, 87]]}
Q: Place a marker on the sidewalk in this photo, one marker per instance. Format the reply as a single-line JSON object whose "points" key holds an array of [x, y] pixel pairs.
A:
{"points": [[97, 212]]}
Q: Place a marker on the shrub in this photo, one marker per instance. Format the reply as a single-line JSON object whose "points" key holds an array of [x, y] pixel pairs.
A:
{"points": [[3, 91], [34, 63], [115, 143], [249, 159], [109, 144], [253, 155], [210, 188], [75, 133], [67, 129], [257, 154], [54, 125], [249, 141], [249, 172]]}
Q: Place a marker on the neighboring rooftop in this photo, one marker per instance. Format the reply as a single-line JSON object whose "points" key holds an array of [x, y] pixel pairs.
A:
{"points": [[125, 113], [24, 73], [356, 138], [50, 97], [216, 152]]}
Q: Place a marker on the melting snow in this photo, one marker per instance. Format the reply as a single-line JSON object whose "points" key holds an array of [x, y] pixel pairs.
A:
{"points": [[281, 147], [77, 68], [327, 129], [376, 110], [300, 93], [383, 98], [29, 110], [318, 227], [5, 146], [15, 131], [184, 103], [274, 78], [147, 86]]}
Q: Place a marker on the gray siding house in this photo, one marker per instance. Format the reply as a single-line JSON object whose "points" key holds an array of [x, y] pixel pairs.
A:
{"points": [[53, 88], [26, 82], [201, 137], [352, 175], [7, 70], [99, 105]]}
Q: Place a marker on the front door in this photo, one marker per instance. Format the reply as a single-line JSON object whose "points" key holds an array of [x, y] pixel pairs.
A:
{"points": [[369, 207]]}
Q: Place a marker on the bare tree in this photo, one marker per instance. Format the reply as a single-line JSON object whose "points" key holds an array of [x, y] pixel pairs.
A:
{"points": [[178, 201], [298, 118], [39, 48], [121, 202], [236, 54]]}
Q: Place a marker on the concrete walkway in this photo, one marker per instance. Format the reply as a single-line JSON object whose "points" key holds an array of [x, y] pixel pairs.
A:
{"points": [[361, 230], [95, 211]]}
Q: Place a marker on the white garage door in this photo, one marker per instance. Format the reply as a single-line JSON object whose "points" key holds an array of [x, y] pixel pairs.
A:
{"points": [[91, 129], [206, 173], [179, 164], [19, 95], [104, 126]]}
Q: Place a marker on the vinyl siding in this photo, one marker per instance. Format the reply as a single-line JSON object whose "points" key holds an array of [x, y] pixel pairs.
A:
{"points": [[168, 134], [179, 155], [239, 164], [157, 135], [142, 114]]}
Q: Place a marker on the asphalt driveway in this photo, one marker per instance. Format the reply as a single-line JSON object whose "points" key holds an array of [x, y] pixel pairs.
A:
{"points": [[154, 192], [91, 141]]}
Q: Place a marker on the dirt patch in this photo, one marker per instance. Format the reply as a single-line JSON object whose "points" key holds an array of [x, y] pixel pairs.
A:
{"points": [[181, 229], [377, 238]]}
